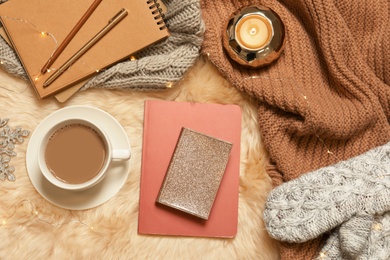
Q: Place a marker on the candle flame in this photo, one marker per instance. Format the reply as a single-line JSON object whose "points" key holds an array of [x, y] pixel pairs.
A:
{"points": [[252, 31]]}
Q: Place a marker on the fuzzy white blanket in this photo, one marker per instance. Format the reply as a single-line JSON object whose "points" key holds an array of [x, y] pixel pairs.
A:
{"points": [[33, 228]]}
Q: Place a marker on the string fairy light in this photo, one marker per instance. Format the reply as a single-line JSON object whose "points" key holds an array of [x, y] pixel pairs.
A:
{"points": [[35, 213], [133, 58], [168, 84], [376, 226], [42, 33], [306, 100]]}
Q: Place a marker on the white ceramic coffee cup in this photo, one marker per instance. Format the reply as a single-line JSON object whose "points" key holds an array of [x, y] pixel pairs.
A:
{"points": [[110, 155]]}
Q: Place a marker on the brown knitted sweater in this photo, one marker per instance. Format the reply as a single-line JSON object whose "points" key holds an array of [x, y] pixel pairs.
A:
{"points": [[327, 98]]}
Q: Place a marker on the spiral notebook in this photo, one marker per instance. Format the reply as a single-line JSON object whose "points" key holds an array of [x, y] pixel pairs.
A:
{"points": [[24, 22]]}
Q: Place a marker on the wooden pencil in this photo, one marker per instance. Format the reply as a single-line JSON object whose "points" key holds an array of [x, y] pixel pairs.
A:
{"points": [[70, 36]]}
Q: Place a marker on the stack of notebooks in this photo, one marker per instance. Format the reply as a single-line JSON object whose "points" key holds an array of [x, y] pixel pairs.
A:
{"points": [[36, 28], [190, 147]]}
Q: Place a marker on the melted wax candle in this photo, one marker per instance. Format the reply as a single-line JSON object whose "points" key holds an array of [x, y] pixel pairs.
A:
{"points": [[254, 36], [253, 32]]}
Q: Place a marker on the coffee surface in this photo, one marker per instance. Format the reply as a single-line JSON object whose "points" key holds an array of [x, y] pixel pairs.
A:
{"points": [[75, 153]]}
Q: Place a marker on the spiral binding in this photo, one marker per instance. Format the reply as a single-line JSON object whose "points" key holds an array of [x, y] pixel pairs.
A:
{"points": [[157, 12]]}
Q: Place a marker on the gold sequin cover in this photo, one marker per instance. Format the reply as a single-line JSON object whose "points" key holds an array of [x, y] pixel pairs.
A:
{"points": [[194, 173]]}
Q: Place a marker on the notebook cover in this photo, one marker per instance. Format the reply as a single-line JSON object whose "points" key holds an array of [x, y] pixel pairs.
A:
{"points": [[24, 20], [194, 173], [163, 122], [69, 92]]}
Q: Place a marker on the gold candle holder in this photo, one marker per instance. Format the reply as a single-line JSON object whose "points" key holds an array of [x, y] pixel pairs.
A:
{"points": [[254, 36]]}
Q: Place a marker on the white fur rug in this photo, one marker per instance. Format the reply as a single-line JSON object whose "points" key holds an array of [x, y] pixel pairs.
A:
{"points": [[33, 228]]}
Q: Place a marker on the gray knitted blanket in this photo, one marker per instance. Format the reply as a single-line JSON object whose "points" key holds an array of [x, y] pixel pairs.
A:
{"points": [[166, 61], [350, 199]]}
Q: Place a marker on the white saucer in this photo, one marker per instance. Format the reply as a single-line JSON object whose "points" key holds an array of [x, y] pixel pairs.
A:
{"points": [[100, 193]]}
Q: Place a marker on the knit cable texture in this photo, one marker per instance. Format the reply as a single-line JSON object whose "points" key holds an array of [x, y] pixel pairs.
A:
{"points": [[329, 90], [166, 61], [327, 98], [352, 196], [372, 242]]}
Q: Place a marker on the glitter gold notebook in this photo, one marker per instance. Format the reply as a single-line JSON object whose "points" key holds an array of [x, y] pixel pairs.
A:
{"points": [[163, 122], [194, 173]]}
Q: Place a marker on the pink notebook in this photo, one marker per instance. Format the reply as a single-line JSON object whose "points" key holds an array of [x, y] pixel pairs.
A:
{"points": [[163, 123]]}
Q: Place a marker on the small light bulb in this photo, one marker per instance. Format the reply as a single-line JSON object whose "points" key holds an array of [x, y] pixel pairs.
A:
{"points": [[36, 78], [133, 58], [377, 226], [97, 71], [1, 62], [36, 213], [169, 84], [48, 70], [43, 33], [4, 221], [322, 255], [91, 228]]}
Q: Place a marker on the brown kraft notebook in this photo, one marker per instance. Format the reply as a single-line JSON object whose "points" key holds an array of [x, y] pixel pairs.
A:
{"points": [[24, 21]]}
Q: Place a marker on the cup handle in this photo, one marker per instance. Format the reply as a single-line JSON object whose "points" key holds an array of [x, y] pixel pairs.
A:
{"points": [[121, 155]]}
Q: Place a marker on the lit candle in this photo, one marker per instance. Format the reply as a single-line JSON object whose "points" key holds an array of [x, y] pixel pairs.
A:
{"points": [[254, 36], [253, 31]]}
